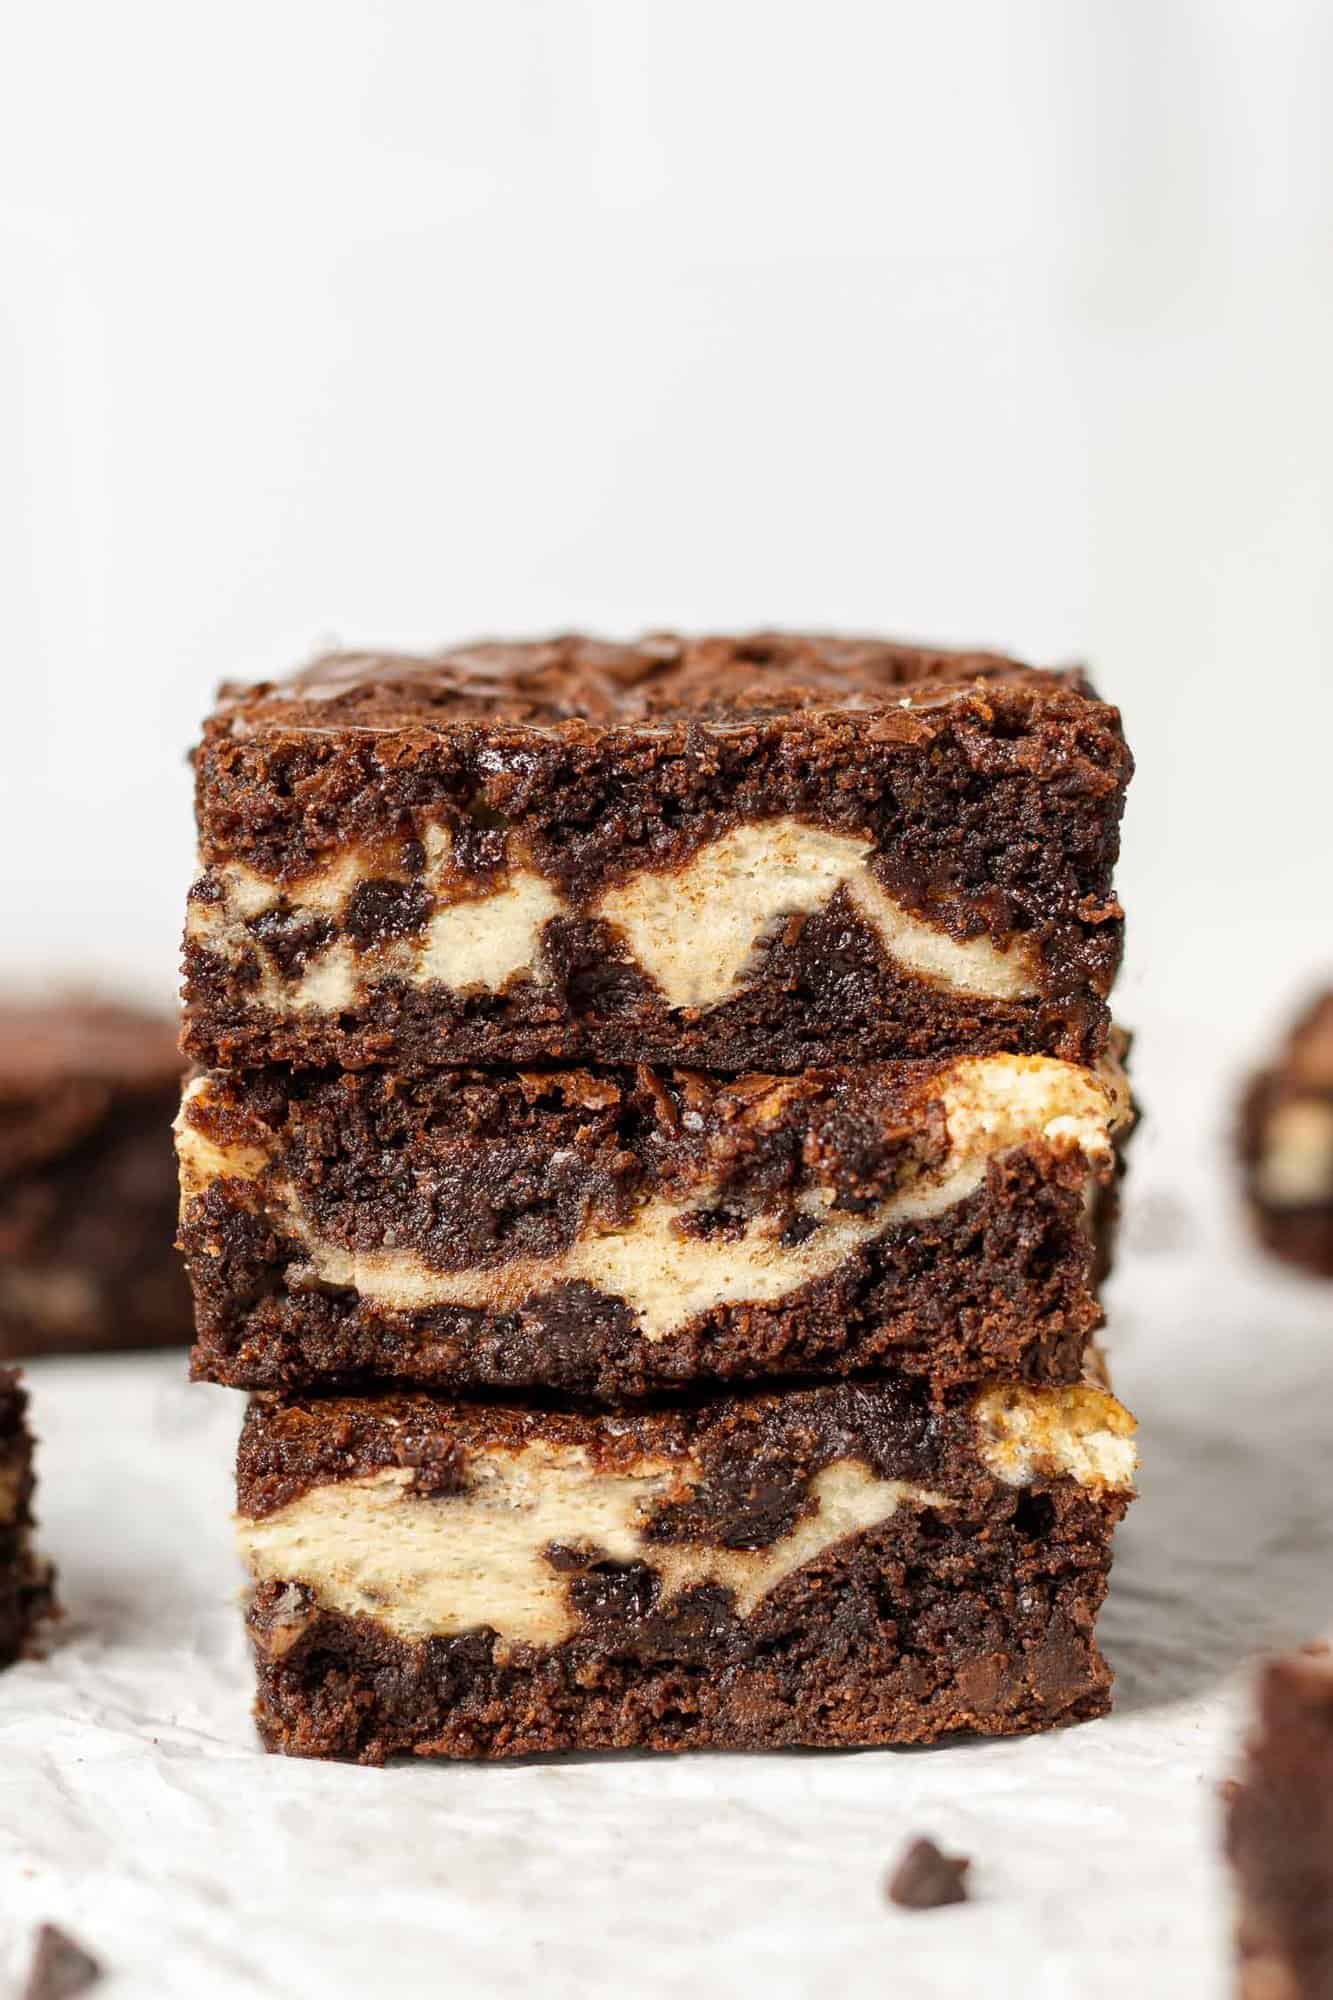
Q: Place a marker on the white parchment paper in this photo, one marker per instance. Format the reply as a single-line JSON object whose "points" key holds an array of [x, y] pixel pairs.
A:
{"points": [[137, 1810]]}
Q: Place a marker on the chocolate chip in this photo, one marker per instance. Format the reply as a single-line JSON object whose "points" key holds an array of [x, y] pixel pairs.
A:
{"points": [[439, 1467], [60, 1967], [799, 1230], [291, 937], [925, 1878], [566, 1561], [386, 909]]}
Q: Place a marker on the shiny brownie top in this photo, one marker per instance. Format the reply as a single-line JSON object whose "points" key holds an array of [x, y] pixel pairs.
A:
{"points": [[660, 679]]}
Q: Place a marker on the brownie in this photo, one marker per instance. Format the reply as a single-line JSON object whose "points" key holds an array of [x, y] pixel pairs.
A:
{"points": [[1286, 1144], [1280, 1835], [835, 1565], [88, 1196], [26, 1583], [616, 1232], [732, 853]]}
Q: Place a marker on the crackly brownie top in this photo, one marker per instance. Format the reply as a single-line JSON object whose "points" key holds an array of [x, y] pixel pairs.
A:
{"points": [[576, 680]]}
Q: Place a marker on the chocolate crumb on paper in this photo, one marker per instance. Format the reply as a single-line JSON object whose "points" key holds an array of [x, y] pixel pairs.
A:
{"points": [[60, 1967], [926, 1878]]}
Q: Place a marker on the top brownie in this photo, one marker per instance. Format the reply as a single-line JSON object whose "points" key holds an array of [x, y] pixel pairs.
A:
{"points": [[731, 853]]}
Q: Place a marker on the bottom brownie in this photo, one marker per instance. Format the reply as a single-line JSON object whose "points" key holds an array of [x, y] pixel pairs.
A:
{"points": [[841, 1565], [25, 1582]]}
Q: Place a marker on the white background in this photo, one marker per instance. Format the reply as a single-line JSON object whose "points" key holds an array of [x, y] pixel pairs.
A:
{"points": [[1005, 322]]}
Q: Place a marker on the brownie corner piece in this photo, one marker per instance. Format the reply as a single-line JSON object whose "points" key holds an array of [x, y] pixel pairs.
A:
{"points": [[734, 853], [1285, 1143], [831, 1566], [1279, 1834], [27, 1593], [88, 1087]]}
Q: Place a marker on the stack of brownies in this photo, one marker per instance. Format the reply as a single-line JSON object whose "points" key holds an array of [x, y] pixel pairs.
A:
{"points": [[651, 1160]]}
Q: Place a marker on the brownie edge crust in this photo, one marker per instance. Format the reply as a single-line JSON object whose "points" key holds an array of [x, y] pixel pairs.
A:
{"points": [[832, 1566], [27, 1594]]}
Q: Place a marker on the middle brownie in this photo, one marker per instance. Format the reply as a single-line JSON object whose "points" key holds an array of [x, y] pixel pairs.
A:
{"points": [[611, 1232]]}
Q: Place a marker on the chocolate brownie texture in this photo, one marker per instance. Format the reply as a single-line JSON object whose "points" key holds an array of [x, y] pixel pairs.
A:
{"points": [[1286, 1144], [968, 1607], [26, 1583], [1279, 1836], [88, 1198], [970, 799], [310, 1199]]}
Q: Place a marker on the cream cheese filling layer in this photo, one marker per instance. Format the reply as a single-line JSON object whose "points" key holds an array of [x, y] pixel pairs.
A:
{"points": [[664, 1275], [435, 1566], [695, 931]]}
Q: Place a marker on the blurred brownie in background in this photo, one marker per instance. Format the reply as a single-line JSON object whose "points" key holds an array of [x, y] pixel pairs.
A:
{"points": [[1280, 1835], [1286, 1143], [88, 1088]]}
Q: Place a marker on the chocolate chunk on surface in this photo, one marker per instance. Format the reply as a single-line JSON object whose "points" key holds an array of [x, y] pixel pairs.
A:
{"points": [[925, 1878], [61, 1968]]}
